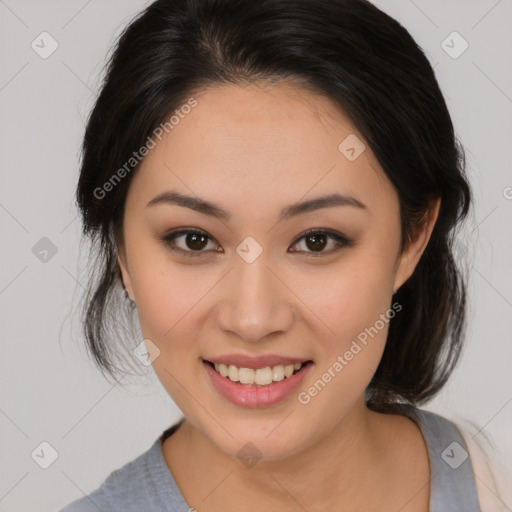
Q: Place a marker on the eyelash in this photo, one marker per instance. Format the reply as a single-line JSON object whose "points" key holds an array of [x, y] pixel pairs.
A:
{"points": [[340, 239]]}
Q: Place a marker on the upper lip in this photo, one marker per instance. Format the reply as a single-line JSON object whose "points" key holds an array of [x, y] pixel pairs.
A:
{"points": [[255, 362]]}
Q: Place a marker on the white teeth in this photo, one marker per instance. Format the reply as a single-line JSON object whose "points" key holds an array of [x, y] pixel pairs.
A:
{"points": [[288, 370], [278, 373], [233, 373], [246, 375], [261, 376]]}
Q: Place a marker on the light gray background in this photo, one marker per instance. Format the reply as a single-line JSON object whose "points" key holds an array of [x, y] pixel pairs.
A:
{"points": [[50, 391]]}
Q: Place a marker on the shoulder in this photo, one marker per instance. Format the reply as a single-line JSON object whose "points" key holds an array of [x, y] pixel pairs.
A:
{"points": [[129, 487], [493, 474], [460, 439]]}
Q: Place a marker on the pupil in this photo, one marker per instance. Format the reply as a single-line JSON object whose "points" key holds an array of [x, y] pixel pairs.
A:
{"points": [[316, 244]]}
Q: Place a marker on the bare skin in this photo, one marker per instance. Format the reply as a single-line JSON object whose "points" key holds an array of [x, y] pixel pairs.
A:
{"points": [[252, 151], [399, 478]]}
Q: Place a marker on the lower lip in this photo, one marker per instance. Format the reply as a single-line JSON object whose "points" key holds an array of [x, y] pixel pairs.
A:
{"points": [[253, 396]]}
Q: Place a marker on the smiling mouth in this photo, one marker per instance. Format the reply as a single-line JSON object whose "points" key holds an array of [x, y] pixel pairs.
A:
{"points": [[259, 377]]}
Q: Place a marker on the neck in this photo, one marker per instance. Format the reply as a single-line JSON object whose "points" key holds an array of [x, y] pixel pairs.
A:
{"points": [[354, 457]]}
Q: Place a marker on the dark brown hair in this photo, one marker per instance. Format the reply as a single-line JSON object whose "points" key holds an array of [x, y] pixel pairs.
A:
{"points": [[347, 50]]}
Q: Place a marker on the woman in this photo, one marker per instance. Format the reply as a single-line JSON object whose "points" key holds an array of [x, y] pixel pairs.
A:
{"points": [[275, 186]]}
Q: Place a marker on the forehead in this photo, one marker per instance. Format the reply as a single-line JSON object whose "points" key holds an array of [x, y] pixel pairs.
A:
{"points": [[262, 142]]}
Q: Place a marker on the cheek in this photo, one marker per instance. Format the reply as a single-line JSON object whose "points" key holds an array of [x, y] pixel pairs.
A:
{"points": [[167, 302], [353, 303], [350, 295], [356, 308], [166, 294]]}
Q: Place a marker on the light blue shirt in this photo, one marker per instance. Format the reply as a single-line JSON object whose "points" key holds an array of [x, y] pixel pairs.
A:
{"points": [[147, 485]]}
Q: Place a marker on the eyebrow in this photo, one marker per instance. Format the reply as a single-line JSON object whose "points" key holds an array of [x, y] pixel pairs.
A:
{"points": [[208, 208]]}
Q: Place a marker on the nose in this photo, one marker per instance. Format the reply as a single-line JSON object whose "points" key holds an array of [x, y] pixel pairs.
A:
{"points": [[256, 302]]}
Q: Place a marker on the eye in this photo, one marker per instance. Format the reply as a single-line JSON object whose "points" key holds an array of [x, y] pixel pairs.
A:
{"points": [[317, 240], [194, 241]]}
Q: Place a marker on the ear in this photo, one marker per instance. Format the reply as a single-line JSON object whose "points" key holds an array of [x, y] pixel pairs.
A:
{"points": [[411, 254], [123, 266]]}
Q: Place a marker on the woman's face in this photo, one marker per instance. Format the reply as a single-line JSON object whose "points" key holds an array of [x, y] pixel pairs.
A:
{"points": [[251, 283]]}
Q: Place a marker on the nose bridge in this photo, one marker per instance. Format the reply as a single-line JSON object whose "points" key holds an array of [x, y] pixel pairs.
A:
{"points": [[255, 305]]}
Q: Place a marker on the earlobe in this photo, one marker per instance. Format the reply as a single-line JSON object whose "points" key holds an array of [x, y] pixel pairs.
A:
{"points": [[125, 277], [411, 255]]}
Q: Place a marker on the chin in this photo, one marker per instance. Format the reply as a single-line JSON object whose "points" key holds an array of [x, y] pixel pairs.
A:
{"points": [[253, 440]]}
